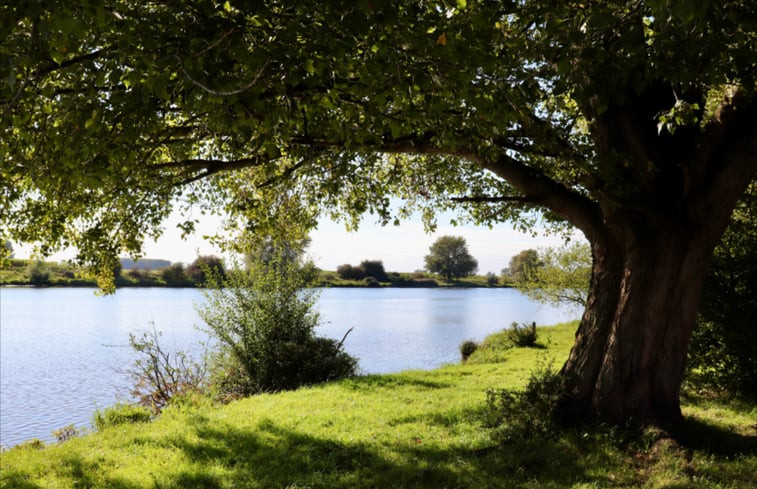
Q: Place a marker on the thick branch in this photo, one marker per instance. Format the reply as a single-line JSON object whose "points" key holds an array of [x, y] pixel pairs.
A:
{"points": [[544, 191], [216, 165], [71, 62], [494, 198]]}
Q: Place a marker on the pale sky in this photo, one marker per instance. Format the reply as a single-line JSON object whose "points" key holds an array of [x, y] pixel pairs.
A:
{"points": [[401, 248]]}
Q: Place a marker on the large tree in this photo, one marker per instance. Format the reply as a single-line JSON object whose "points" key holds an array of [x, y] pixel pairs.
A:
{"points": [[633, 121], [449, 256]]}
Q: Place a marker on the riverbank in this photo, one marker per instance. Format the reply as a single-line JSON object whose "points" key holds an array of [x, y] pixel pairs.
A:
{"points": [[18, 273], [419, 429]]}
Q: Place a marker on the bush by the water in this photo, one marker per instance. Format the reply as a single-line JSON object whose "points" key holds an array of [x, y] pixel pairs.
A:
{"points": [[523, 335], [367, 269], [38, 273], [264, 322], [467, 348], [120, 414], [160, 375]]}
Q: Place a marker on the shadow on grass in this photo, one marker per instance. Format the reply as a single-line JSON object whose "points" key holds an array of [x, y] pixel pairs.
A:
{"points": [[700, 435], [272, 455], [370, 383]]}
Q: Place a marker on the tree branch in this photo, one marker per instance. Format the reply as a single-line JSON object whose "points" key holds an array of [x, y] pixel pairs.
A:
{"points": [[490, 198], [542, 190], [71, 62]]}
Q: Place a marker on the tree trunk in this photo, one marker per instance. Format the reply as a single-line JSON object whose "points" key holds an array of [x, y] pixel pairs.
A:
{"points": [[629, 357]]}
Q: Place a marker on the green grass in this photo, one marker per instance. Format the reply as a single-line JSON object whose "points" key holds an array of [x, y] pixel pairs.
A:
{"points": [[415, 429]]}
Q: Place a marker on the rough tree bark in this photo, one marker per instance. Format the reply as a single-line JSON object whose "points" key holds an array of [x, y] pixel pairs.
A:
{"points": [[629, 356], [630, 352]]}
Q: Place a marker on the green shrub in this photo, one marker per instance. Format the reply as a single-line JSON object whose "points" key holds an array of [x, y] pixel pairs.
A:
{"points": [[523, 335], [67, 433], [199, 270], [348, 272], [723, 351], [491, 279], [38, 273], [467, 348], [264, 322], [174, 274], [371, 282], [121, 414], [375, 269], [525, 416]]}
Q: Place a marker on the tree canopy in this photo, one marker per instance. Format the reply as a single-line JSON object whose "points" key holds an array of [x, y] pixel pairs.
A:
{"points": [[561, 275], [494, 101], [521, 264], [632, 120], [449, 257]]}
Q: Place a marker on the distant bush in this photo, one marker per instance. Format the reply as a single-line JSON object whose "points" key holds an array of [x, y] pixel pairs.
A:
{"points": [[375, 269], [174, 274], [492, 279], [348, 272], [120, 414], [328, 276], [198, 270], [371, 282], [467, 348], [523, 335], [38, 273], [137, 274], [428, 282]]}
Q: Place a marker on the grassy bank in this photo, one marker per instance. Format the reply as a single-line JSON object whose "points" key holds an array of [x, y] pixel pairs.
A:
{"points": [[414, 429]]}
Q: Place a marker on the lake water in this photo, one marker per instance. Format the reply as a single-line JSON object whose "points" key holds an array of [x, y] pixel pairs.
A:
{"points": [[63, 350]]}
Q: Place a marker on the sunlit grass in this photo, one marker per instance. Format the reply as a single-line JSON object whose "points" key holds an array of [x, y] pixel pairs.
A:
{"points": [[414, 429]]}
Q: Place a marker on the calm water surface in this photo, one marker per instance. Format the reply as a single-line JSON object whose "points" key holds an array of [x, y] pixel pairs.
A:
{"points": [[62, 350]]}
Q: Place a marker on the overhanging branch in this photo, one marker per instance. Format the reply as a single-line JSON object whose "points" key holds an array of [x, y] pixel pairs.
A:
{"points": [[520, 199]]}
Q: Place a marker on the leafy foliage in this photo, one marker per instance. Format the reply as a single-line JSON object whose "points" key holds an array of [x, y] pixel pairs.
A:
{"points": [[449, 257], [7, 250], [68, 432], [491, 279], [523, 335], [375, 269], [366, 269], [348, 272], [174, 274], [202, 266], [525, 416], [208, 104], [468, 348], [561, 277], [723, 352], [264, 321], [38, 273], [521, 265]]}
